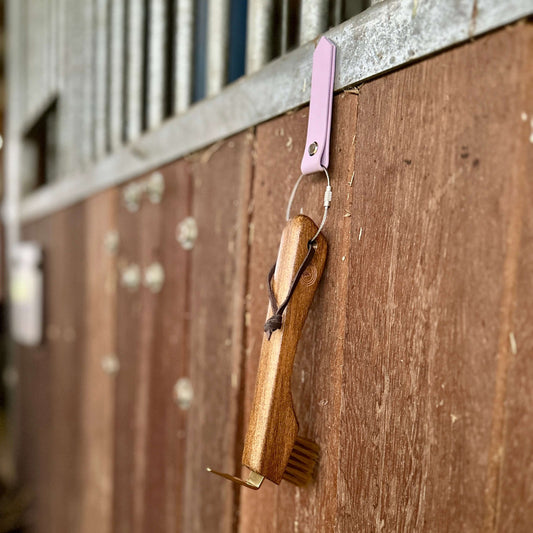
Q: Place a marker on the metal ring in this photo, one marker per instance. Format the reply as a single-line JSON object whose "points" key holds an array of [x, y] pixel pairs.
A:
{"points": [[327, 201]]}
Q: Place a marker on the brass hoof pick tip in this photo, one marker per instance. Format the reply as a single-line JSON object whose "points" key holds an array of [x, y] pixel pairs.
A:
{"points": [[253, 482]]}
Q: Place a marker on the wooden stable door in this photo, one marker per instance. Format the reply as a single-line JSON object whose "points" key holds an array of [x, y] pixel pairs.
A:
{"points": [[415, 368]]}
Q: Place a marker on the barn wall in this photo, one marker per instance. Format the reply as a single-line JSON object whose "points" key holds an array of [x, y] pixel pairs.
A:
{"points": [[414, 371]]}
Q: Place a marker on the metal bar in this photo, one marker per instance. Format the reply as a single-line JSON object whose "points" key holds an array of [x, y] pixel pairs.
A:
{"points": [[116, 75], [82, 108], [75, 107], [52, 12], [100, 79], [156, 63], [200, 50], [284, 84], [217, 45], [46, 47], [14, 69], [36, 51], [134, 67], [56, 38], [183, 55], [285, 26], [354, 7], [338, 8], [82, 79], [23, 92], [259, 34], [313, 19], [15, 52]]}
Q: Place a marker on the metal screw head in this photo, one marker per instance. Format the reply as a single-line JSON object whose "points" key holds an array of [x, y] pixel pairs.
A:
{"points": [[10, 377], [132, 196], [154, 277], [110, 364], [187, 233], [313, 148], [183, 393], [111, 241], [131, 277], [155, 187]]}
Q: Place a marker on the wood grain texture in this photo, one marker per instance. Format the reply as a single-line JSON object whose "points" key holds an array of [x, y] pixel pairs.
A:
{"points": [[98, 387], [128, 354], [149, 239], [33, 397], [414, 369], [169, 361], [513, 507], [272, 427], [67, 356], [221, 190], [317, 370], [430, 284], [50, 379]]}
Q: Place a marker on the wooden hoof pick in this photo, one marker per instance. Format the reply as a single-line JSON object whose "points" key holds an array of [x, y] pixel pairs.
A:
{"points": [[272, 447]]}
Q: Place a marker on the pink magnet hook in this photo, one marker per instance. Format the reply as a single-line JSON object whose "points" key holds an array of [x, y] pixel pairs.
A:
{"points": [[316, 153]]}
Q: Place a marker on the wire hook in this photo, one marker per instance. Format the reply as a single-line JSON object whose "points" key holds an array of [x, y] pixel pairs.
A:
{"points": [[327, 201]]}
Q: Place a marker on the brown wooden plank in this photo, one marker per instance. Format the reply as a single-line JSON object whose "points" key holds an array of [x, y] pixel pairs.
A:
{"points": [[3, 292], [169, 358], [432, 226], [128, 353], [67, 354], [149, 236], [33, 397], [515, 455], [97, 413], [140, 244], [514, 509], [50, 378], [33, 435], [221, 187], [317, 371]]}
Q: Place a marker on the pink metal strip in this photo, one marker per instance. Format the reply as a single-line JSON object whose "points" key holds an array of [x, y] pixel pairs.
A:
{"points": [[316, 153]]}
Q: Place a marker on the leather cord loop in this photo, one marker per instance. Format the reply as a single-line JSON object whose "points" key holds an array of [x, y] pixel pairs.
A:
{"points": [[276, 320]]}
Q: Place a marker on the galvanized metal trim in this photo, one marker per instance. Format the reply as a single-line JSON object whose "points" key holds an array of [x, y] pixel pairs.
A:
{"points": [[217, 45], [68, 156], [15, 51], [156, 63], [54, 36], [284, 38], [313, 19], [100, 41], [60, 8], [116, 74], [401, 34], [36, 64], [259, 32], [75, 107], [134, 67], [338, 8], [183, 55], [46, 36]]}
